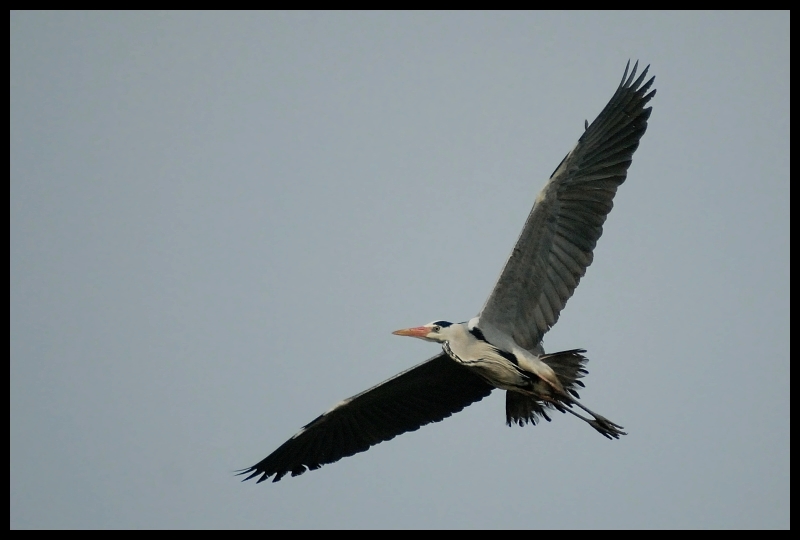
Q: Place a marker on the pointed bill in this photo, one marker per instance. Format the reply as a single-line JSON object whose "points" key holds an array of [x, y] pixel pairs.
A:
{"points": [[417, 332]]}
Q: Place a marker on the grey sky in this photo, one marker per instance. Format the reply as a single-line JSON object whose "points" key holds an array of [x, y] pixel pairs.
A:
{"points": [[217, 219]]}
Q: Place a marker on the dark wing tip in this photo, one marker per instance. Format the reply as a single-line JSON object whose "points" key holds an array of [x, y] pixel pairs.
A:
{"points": [[257, 470], [253, 473], [625, 74], [426, 393], [274, 467], [629, 81]]}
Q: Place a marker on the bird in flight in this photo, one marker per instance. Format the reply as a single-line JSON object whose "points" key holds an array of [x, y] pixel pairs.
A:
{"points": [[502, 346]]}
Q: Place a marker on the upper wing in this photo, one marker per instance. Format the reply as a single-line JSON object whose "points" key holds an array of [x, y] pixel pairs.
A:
{"points": [[428, 392], [556, 243]]}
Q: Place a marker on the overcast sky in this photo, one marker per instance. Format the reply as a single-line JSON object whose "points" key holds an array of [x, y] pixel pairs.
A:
{"points": [[218, 219]]}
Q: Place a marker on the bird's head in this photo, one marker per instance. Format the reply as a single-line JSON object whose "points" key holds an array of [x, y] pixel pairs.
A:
{"points": [[437, 331]]}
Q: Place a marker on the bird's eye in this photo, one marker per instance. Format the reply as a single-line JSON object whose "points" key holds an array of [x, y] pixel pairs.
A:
{"points": [[436, 327]]}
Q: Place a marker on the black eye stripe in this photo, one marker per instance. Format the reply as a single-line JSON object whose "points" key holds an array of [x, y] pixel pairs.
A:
{"points": [[442, 324]]}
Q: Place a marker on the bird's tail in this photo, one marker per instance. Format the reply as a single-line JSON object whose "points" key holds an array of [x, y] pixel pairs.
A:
{"points": [[521, 409], [569, 368]]}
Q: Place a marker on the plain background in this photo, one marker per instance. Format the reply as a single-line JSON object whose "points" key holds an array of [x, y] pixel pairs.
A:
{"points": [[217, 219]]}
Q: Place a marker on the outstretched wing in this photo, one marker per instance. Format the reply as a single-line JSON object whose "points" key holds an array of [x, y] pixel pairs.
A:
{"points": [[428, 392], [556, 243]]}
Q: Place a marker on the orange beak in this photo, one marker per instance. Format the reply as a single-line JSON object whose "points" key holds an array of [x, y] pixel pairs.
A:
{"points": [[418, 332]]}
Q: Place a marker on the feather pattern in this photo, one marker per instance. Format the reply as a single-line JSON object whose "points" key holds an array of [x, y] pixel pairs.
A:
{"points": [[428, 392], [556, 243]]}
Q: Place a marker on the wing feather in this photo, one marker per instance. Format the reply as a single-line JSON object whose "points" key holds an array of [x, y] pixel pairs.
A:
{"points": [[428, 392], [565, 275], [561, 232], [553, 297]]}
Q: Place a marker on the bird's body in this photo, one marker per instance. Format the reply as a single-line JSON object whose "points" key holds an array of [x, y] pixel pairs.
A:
{"points": [[501, 347], [508, 367], [533, 381]]}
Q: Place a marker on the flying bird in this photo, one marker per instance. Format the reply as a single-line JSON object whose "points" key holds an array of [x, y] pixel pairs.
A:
{"points": [[502, 346]]}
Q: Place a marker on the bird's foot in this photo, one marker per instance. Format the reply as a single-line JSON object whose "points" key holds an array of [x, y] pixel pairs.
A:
{"points": [[607, 428]]}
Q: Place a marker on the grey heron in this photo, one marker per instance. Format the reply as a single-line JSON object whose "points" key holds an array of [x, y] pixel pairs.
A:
{"points": [[502, 346]]}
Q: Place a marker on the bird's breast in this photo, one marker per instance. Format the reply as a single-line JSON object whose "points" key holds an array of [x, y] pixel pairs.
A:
{"points": [[486, 362]]}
